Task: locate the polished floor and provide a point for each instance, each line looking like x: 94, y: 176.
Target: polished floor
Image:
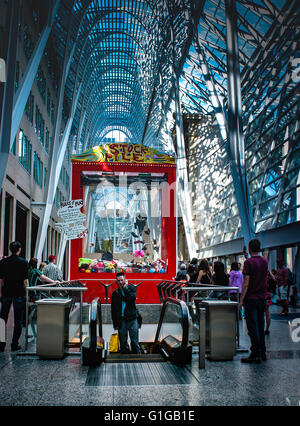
x: 28, y: 381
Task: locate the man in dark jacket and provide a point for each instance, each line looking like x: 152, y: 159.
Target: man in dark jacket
x: 13, y: 280
x: 124, y: 314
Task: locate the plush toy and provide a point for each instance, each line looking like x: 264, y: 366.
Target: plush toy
x: 84, y: 266
x: 83, y: 260
x: 93, y: 264
x: 138, y: 253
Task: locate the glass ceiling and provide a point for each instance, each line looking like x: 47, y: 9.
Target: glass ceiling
x: 125, y: 54
x: 124, y: 57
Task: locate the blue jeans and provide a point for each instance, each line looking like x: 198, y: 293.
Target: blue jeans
x: 255, y: 320
x: 18, y: 304
x: 132, y: 328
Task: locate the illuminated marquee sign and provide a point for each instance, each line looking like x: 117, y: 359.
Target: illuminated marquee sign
x: 124, y: 153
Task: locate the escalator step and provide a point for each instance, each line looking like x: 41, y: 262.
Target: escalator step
x: 115, y: 357
x: 139, y: 374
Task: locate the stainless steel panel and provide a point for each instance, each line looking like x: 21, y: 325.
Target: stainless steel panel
x: 52, y: 327
x: 221, y: 329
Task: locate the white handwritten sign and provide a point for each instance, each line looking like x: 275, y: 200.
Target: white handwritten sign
x: 73, y: 219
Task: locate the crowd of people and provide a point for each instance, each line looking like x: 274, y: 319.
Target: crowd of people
x: 15, y: 275
x: 257, y: 288
x: 281, y: 288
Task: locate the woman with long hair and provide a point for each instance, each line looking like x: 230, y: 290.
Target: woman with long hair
x: 204, y: 276
x: 193, y: 270
x: 220, y: 278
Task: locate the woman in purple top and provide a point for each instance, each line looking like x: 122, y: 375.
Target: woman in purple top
x: 235, y: 280
x: 236, y: 277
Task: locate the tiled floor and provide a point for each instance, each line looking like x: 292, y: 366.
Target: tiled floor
x: 29, y: 381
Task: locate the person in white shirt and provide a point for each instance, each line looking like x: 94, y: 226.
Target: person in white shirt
x: 52, y: 270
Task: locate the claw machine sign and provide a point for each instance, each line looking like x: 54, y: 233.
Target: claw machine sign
x: 73, y: 226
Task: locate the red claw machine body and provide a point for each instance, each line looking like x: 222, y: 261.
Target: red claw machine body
x: 129, y: 200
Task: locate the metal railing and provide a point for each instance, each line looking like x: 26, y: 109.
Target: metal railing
x: 211, y: 287
x: 183, y: 291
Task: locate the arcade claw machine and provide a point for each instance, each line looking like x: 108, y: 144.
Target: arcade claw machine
x: 129, y: 200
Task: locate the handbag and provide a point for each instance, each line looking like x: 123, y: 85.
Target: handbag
x: 114, y: 343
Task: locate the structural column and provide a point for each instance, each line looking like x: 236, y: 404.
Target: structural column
x: 236, y: 149
x: 57, y: 150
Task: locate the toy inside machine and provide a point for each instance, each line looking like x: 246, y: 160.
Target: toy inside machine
x: 129, y: 201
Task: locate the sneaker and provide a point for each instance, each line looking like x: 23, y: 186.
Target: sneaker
x: 2, y: 346
x: 147, y: 232
x: 267, y: 332
x: 264, y: 357
x: 251, y: 360
x: 134, y: 235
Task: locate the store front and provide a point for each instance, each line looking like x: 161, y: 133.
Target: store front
x: 129, y: 200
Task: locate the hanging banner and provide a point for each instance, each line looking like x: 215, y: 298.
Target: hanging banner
x: 124, y: 153
x: 73, y: 219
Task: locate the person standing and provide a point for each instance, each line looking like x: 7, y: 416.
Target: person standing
x: 182, y: 274
x: 253, y: 298
x: 269, y: 303
x: 36, y: 276
x: 52, y: 270
x: 282, y: 287
x: 124, y: 314
x: 219, y: 278
x: 236, y: 277
x: 13, y: 281
x: 236, y: 280
x: 204, y: 276
x: 42, y: 265
x: 192, y: 270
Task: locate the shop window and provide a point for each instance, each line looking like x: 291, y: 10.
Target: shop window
x: 25, y: 151
x: 38, y: 170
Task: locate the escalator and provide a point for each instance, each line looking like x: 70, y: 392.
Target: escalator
x: 171, y: 342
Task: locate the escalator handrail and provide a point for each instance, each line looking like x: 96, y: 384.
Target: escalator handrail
x: 95, y: 318
x: 184, y: 321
